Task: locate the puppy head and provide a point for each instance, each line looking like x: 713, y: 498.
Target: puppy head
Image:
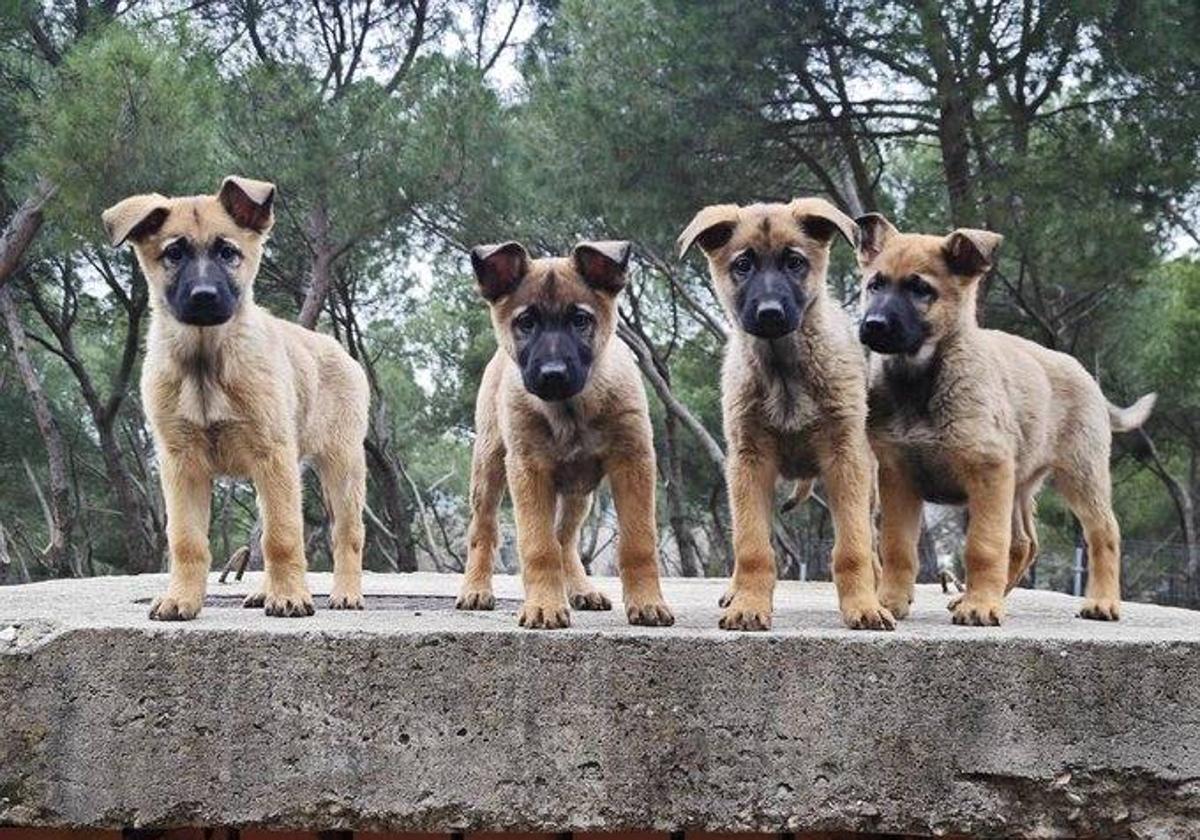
x: 553, y: 316
x: 768, y: 261
x: 200, y: 254
x: 917, y: 288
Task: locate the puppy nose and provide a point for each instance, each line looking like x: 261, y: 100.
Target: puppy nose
x: 203, y: 296
x: 770, y: 314
x: 553, y: 374
x: 874, y: 326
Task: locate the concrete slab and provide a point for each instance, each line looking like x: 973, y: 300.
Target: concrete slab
x: 411, y: 716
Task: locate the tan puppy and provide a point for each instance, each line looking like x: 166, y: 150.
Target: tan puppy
x: 964, y: 415
x: 231, y: 390
x: 561, y: 406
x: 793, y: 395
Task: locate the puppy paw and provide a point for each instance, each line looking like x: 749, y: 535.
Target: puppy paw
x: 866, y: 614
x: 254, y: 600
x: 978, y: 611
x: 652, y: 613
x: 726, y: 599
x: 1101, y: 609
x: 746, y: 612
x: 590, y: 599
x: 288, y: 602
x: 896, y: 599
x: 346, y: 599
x: 176, y: 607
x: 475, y: 598
x: 537, y: 614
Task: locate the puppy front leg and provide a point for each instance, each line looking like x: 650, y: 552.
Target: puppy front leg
x: 847, y: 467
x: 751, y: 475
x: 187, y: 491
x: 989, y: 535
x: 532, y: 489
x: 278, y: 487
x: 900, y: 528
x: 632, y: 479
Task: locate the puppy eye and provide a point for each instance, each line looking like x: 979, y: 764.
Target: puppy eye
x: 526, y: 321
x: 742, y: 263
x: 794, y: 261
x: 173, y: 253
x: 582, y: 319
x: 227, y: 253
x: 918, y: 287
x: 876, y: 283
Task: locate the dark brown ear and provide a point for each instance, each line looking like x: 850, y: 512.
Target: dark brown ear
x: 711, y: 227
x: 874, y: 230
x: 970, y: 252
x: 821, y: 220
x: 135, y: 218
x: 499, y: 268
x: 250, y: 203
x: 602, y: 264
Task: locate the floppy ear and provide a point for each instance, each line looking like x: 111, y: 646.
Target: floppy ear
x: 602, y: 264
x: 711, y: 227
x: 874, y: 230
x: 821, y: 220
x: 499, y: 268
x: 969, y: 252
x: 248, y: 202
x: 135, y: 218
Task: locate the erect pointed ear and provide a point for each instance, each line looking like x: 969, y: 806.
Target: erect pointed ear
x: 874, y: 230
x: 970, y: 252
x: 135, y: 218
x: 499, y: 268
x: 821, y: 220
x: 602, y: 264
x: 250, y: 203
x: 711, y: 227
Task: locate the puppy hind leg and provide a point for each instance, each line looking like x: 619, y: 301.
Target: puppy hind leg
x: 344, y: 486
x: 581, y: 592
x: 1089, y: 498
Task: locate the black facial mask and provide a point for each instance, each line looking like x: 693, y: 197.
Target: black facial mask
x: 202, y: 292
x: 554, y: 350
x: 892, y: 323
x: 769, y: 297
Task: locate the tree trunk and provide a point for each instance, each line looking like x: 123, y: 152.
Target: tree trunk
x: 320, y: 279
x: 60, y: 510
x: 689, y: 557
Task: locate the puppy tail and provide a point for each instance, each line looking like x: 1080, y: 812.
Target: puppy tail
x: 800, y: 494
x: 1128, y: 419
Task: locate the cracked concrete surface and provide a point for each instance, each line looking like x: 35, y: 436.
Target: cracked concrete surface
x: 411, y: 716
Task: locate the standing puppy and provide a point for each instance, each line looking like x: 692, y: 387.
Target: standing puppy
x: 561, y: 406
x: 975, y: 417
x: 793, y: 395
x: 231, y: 390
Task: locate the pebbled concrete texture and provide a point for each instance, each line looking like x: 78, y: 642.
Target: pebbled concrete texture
x: 410, y: 716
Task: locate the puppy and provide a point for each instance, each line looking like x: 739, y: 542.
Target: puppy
x: 561, y: 405
x: 793, y: 396
x: 231, y: 390
x: 968, y: 416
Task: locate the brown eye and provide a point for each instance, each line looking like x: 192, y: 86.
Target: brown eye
x: 877, y: 283
x: 581, y: 319
x: 794, y: 261
x: 173, y: 253
x: 227, y: 253
x: 919, y: 288
x: 526, y: 321
x: 742, y: 263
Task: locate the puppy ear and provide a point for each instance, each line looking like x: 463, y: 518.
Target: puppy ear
x: 874, y: 230
x: 135, y: 218
x: 969, y: 252
x: 602, y: 264
x: 499, y: 268
x: 821, y: 220
x: 711, y: 227
x: 250, y: 203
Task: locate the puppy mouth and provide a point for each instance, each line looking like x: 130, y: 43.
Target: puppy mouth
x: 204, y: 317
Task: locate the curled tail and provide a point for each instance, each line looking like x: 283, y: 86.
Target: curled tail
x: 1128, y: 419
